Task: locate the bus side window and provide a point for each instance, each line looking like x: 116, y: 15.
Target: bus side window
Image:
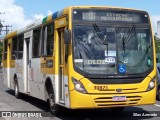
x: 14, y: 48
x: 20, y: 46
x: 48, y: 40
x: 5, y: 50
x: 36, y: 43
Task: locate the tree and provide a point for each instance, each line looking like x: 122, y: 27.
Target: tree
x: 157, y: 44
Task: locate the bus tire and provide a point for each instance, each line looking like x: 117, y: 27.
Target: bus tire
x: 54, y: 108
x: 158, y: 91
x: 16, y: 88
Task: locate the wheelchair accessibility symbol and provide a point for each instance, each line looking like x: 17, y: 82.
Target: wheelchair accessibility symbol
x: 122, y: 68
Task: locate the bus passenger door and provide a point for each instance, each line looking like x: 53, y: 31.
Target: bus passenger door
x: 61, y: 65
x: 28, y: 63
x: 27, y: 37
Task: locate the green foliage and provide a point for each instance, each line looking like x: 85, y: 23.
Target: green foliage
x: 157, y: 44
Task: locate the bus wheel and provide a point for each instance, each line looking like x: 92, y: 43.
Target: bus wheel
x: 54, y: 108
x: 16, y: 89
x: 158, y: 97
x: 118, y: 109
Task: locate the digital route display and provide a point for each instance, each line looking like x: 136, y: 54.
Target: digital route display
x: 110, y: 15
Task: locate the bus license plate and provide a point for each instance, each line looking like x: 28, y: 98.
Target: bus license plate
x: 119, y: 98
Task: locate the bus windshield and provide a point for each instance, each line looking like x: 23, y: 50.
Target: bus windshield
x: 127, y: 50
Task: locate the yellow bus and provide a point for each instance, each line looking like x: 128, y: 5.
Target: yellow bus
x: 84, y: 57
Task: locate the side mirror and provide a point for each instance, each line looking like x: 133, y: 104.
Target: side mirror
x: 67, y: 36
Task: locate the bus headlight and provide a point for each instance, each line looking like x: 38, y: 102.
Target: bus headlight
x: 79, y: 86
x: 151, y: 84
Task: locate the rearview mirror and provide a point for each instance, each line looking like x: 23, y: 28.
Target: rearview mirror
x: 67, y: 36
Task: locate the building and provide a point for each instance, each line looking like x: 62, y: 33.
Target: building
x: 158, y: 29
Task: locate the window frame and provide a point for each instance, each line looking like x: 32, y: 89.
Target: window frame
x: 20, y: 37
x: 13, y: 50
x: 45, y: 40
x: 39, y: 42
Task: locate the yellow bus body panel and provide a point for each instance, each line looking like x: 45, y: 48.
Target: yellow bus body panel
x: 136, y: 94
x: 44, y: 68
x: 11, y: 63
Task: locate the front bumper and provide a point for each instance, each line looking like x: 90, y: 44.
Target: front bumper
x: 83, y: 101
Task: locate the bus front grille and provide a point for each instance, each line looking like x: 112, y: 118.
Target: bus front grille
x: 109, y: 102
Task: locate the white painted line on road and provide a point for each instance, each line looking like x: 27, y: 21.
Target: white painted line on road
x: 157, y: 105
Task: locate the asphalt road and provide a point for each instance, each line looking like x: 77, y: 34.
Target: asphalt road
x: 26, y: 103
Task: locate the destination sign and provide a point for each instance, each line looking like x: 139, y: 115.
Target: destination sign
x: 110, y: 15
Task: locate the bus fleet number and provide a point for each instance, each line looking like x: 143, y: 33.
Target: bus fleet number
x: 101, y: 87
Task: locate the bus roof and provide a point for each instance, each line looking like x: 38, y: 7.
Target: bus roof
x: 11, y: 34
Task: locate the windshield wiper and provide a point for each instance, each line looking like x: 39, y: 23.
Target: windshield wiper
x: 104, y: 40
x: 125, y: 39
x: 96, y: 28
